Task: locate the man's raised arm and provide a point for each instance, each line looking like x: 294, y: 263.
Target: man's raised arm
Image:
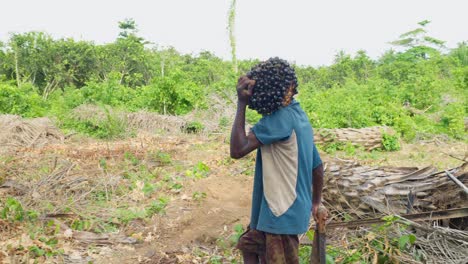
x: 241, y: 143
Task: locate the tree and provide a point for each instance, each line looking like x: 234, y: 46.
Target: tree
x: 461, y: 53
x: 2, y: 61
x: 418, y: 43
x: 232, y: 35
x: 126, y: 56
x: 128, y: 28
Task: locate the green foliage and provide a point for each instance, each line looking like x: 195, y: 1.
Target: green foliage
x: 131, y: 158
x: 453, y: 120
x: 125, y: 215
x: 198, y: 196
x: 421, y: 45
x: 157, y: 207
x: 252, y: 117
x: 200, y: 170
x: 81, y: 224
x: 407, y: 127
x: 381, y: 244
x: 109, y: 92
x: 223, y: 122
x: 460, y: 54
x: 111, y: 126
x: 162, y: 158
x: 12, y: 210
x: 406, y: 241
x: 390, y: 142
x: 23, y: 101
x: 193, y: 127
x: 42, y: 76
x: 238, y: 231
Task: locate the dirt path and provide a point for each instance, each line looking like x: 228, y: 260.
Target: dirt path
x: 190, y: 222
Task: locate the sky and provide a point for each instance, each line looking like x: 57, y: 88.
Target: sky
x: 305, y: 32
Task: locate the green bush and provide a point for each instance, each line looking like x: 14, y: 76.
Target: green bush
x: 23, y: 101
x: 252, y: 117
x: 12, y: 210
x: 170, y: 95
x: 390, y: 142
x: 110, y: 92
x: 453, y: 120
x: 112, y: 126
x: 193, y: 127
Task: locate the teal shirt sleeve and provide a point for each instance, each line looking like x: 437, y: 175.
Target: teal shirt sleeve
x: 316, y: 158
x: 275, y: 127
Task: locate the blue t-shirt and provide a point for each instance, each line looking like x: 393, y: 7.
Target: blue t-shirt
x: 282, y: 195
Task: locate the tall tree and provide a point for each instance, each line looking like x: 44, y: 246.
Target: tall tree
x: 232, y: 35
x: 418, y: 43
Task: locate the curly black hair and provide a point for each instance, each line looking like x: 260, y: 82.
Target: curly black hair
x: 275, y: 84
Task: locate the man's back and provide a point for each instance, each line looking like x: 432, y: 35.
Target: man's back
x: 281, y: 201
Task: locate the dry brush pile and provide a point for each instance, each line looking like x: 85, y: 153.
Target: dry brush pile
x: 354, y: 191
x: 365, y: 190
x: 369, y: 138
x: 18, y: 132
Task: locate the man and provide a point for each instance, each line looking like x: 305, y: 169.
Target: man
x: 287, y: 164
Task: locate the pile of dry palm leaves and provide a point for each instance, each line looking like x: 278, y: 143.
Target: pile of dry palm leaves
x: 365, y: 190
x: 400, y: 241
x: 440, y: 244
x: 150, y: 122
x: 353, y: 191
x: 18, y: 132
x: 370, y: 137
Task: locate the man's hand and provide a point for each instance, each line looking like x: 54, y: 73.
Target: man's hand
x: 319, y: 212
x: 244, y: 89
x: 315, y: 208
x: 317, y: 185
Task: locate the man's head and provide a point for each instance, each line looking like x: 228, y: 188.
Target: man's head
x: 275, y: 85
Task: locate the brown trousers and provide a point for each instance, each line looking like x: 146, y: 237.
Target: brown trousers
x: 271, y: 248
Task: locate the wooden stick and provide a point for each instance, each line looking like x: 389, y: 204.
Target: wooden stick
x: 456, y: 181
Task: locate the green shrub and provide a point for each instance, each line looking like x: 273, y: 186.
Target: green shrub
x: 23, y: 101
x: 173, y: 94
x: 406, y: 127
x: 12, y: 210
x: 110, y: 92
x: 157, y: 207
x: 453, y: 120
x: 200, y: 170
x: 112, y: 126
x: 223, y: 122
x: 193, y: 127
x: 127, y: 215
x: 390, y: 142
x: 252, y: 117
